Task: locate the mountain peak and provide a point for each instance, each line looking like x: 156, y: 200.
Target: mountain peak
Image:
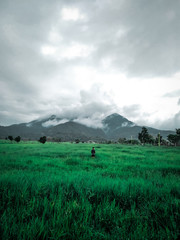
x: 115, y: 114
x: 115, y: 117
x: 116, y: 121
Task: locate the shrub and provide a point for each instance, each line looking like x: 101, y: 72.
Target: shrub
x: 10, y: 138
x: 42, y: 139
x: 17, y: 139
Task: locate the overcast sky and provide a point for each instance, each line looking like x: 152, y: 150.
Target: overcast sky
x: 86, y: 59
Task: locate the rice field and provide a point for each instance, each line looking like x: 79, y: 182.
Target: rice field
x: 57, y: 191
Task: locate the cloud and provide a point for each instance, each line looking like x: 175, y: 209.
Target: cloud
x: 90, y: 122
x: 93, y: 106
x: 71, y: 14
x: 169, y: 124
x: 53, y: 53
x: 132, y: 111
x: 141, y: 38
x: 54, y: 122
x: 172, y: 94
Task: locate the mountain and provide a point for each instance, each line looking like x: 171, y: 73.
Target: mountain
x: 114, y: 122
x: 70, y: 131
x: 114, y: 127
x: 53, y: 127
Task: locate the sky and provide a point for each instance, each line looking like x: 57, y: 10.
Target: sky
x: 86, y: 59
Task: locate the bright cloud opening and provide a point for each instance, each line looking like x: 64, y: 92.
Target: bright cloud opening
x: 77, y: 50
x: 72, y: 14
x: 48, y: 50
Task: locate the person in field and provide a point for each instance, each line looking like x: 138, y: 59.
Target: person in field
x: 93, y: 152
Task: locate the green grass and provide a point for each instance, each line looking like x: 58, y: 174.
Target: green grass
x: 57, y: 191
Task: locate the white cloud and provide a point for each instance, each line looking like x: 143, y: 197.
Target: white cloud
x: 76, y: 50
x: 90, y: 122
x: 71, y: 14
x: 170, y: 123
x: 62, y: 52
x: 54, y: 122
x: 48, y: 50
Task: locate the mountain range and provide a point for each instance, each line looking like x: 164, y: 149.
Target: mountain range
x: 112, y: 127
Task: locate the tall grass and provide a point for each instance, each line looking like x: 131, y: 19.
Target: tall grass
x: 57, y: 191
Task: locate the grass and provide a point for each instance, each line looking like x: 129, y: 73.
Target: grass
x: 57, y: 191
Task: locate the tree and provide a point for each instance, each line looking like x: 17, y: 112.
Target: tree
x: 17, y: 139
x: 144, y: 136
x: 178, y: 131
x: 172, y: 138
x: 77, y: 140
x: 10, y: 138
x: 42, y: 139
x: 151, y: 140
x: 178, y: 134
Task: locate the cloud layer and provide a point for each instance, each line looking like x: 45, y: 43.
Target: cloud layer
x: 87, y: 59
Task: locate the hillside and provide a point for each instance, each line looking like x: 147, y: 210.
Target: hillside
x: 114, y: 127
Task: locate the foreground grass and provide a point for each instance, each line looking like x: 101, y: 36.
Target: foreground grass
x: 57, y: 191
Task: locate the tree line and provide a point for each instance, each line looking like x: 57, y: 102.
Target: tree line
x: 17, y: 139
x: 144, y: 137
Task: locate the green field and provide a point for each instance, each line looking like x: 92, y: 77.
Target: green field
x: 57, y: 191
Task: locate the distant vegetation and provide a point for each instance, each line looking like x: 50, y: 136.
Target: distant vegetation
x: 174, y: 138
x: 42, y: 139
x: 18, y: 139
x: 10, y: 138
x: 57, y: 191
x: 143, y: 137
